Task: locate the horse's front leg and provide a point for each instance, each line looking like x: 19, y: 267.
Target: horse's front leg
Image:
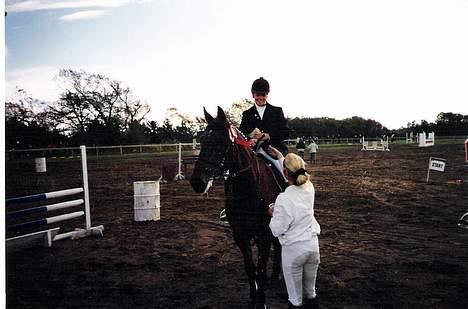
x: 243, y: 242
x: 263, y: 244
x: 276, y: 273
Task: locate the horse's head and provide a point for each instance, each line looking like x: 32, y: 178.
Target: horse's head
x: 215, y: 145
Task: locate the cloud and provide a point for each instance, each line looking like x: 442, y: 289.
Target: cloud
x: 83, y: 15
x: 38, y: 5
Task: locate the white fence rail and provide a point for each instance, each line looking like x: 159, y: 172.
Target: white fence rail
x: 162, y: 149
x: 97, y: 151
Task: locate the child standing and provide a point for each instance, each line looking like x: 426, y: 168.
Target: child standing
x: 293, y: 222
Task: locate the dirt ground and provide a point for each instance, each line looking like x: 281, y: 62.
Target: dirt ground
x: 389, y: 240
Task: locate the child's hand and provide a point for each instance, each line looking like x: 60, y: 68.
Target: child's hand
x: 275, y: 153
x: 271, y: 209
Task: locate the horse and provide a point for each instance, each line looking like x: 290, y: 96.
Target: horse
x: 250, y: 187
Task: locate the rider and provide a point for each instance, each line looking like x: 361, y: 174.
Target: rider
x: 265, y: 123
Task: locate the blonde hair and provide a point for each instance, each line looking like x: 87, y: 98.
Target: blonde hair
x: 296, y: 169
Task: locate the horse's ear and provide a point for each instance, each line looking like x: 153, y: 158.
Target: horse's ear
x: 209, y: 119
x: 221, y: 115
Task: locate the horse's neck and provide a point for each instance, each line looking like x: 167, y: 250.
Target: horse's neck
x: 257, y: 175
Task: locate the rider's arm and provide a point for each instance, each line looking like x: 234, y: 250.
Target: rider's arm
x: 280, y: 131
x: 247, y: 123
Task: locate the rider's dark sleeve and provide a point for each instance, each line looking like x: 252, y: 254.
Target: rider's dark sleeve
x: 279, y: 130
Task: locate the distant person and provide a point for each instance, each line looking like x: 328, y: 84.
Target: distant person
x: 312, y: 149
x: 263, y: 121
x: 294, y: 224
x: 300, y: 147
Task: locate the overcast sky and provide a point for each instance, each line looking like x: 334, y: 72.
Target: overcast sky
x: 392, y: 61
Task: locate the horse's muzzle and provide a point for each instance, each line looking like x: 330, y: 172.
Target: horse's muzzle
x: 198, y: 185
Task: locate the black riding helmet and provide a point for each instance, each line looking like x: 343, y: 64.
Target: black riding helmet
x: 260, y: 85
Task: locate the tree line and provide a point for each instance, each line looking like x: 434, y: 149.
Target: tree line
x: 446, y: 124
x: 94, y: 109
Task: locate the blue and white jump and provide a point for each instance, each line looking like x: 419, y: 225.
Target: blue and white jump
x: 50, y: 235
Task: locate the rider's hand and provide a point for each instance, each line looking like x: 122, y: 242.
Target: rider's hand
x: 265, y: 137
x: 256, y: 133
x: 259, y: 135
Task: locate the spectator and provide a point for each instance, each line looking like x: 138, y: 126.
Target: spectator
x: 312, y: 149
x: 300, y: 147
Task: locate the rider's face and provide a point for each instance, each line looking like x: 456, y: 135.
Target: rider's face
x: 260, y: 98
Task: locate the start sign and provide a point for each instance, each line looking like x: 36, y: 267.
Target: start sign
x: 435, y: 164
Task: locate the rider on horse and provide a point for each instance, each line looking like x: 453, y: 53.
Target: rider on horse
x: 265, y: 124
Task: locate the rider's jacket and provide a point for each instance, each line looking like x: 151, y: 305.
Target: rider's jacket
x: 273, y: 122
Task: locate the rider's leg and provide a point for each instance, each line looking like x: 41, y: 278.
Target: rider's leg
x: 278, y: 164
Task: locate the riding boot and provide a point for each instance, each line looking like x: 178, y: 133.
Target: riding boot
x: 311, y: 303
x: 291, y: 306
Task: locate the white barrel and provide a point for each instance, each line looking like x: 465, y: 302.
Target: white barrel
x: 146, y: 200
x: 41, y: 166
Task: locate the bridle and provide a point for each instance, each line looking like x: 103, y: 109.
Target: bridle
x: 216, y: 170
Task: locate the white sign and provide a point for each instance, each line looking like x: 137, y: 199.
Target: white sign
x: 437, y: 165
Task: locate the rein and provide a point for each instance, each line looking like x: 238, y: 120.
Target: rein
x: 236, y: 139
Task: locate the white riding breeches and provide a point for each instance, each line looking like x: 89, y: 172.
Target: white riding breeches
x: 300, y: 262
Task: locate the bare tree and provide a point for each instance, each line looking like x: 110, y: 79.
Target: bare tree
x: 95, y: 98
x: 234, y: 112
x: 27, y: 110
x: 29, y: 122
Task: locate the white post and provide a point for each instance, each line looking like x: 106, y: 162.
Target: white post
x: 179, y: 175
x: 466, y: 151
x: 195, y: 151
x: 428, y: 170
x: 180, y: 159
x: 84, y: 165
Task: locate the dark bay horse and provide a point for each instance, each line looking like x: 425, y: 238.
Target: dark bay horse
x: 249, y: 189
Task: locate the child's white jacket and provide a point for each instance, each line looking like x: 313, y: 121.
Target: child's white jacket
x: 293, y: 216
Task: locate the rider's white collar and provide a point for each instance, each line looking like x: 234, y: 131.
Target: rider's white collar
x: 260, y: 110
